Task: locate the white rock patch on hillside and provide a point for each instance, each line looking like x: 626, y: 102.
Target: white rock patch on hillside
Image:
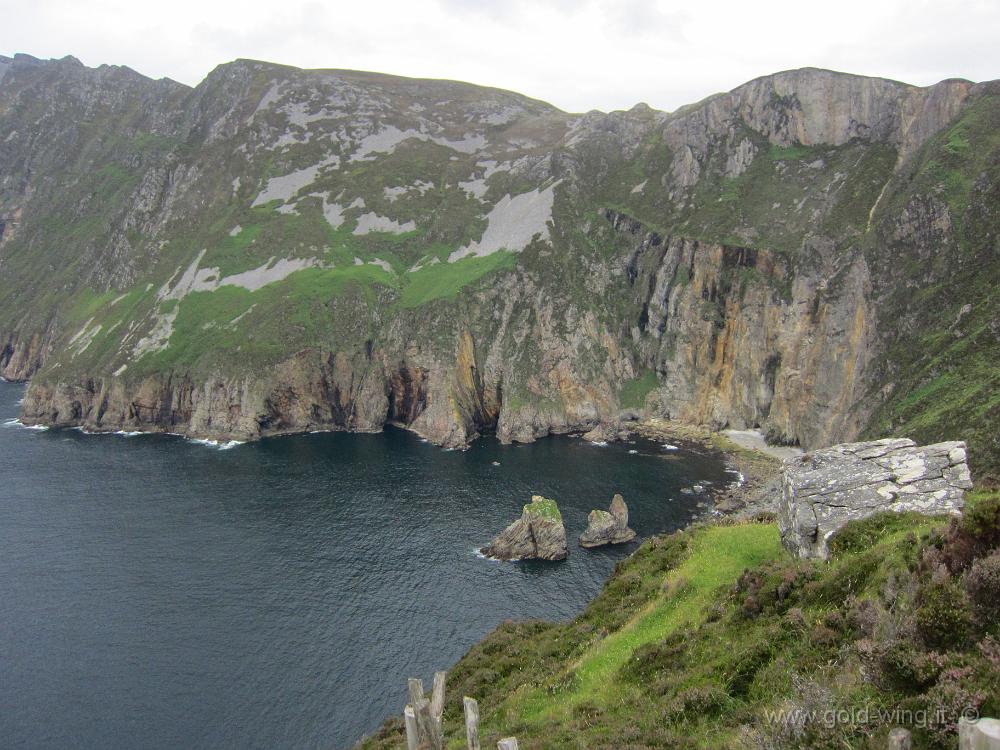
x: 333, y: 213
x: 392, y: 193
x: 476, y: 186
x: 286, y: 186
x: 270, y: 272
x: 195, y: 279
x: 386, y: 140
x: 372, y: 222
x: 513, y: 223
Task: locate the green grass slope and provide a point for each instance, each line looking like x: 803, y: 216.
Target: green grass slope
x: 714, y: 637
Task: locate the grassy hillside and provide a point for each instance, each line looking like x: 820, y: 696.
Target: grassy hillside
x: 714, y: 637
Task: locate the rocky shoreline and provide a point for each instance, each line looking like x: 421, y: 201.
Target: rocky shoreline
x: 758, y: 487
x: 756, y: 491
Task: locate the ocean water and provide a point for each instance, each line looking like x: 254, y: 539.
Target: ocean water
x: 159, y: 593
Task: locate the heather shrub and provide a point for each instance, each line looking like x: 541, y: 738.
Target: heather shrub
x: 982, y: 584
x: 943, y: 619
x: 907, y: 669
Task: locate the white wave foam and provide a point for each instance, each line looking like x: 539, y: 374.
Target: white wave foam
x: 479, y: 553
x: 669, y: 447
x: 217, y: 444
x: 19, y: 423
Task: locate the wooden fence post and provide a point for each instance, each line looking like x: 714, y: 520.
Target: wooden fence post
x: 415, y: 687
x: 471, y: 723
x: 508, y: 743
x: 430, y: 732
x: 900, y: 739
x: 965, y: 734
x: 983, y: 734
x: 437, y: 696
x: 412, y: 734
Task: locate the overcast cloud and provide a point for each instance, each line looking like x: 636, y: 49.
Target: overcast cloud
x: 579, y: 55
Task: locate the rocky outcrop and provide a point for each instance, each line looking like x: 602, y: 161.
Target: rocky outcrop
x: 608, y: 526
x: 606, y: 432
x: 538, y: 534
x: 21, y: 358
x: 823, y: 490
x: 813, y: 106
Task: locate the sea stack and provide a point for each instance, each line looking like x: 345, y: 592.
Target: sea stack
x: 608, y: 526
x: 538, y: 534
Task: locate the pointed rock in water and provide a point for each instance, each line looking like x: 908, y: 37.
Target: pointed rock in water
x: 538, y: 534
x: 608, y: 526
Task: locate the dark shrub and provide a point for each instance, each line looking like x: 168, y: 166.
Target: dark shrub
x: 651, y: 659
x: 744, y: 665
x: 862, y: 618
x: 981, y: 519
x: 945, y: 703
x: 795, y: 619
x: 835, y: 621
x: 908, y: 669
x: 943, y: 618
x: 982, y: 583
x: 974, y: 534
x: 751, y: 607
x: 588, y: 712
x: 693, y: 703
x: 847, y: 578
x: 823, y: 636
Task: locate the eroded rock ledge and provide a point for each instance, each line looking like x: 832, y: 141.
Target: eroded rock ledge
x: 823, y: 490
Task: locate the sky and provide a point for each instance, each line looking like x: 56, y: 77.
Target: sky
x: 576, y: 54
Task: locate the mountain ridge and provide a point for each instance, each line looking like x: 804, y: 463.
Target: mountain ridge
x: 277, y: 250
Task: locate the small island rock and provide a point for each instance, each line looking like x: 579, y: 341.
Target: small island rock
x: 608, y: 526
x: 538, y: 534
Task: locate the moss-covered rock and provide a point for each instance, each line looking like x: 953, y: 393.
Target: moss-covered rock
x: 538, y: 534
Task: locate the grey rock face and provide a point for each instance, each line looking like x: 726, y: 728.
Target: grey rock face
x: 823, y: 490
x: 608, y: 526
x: 538, y: 534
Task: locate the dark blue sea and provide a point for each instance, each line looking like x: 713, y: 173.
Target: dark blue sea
x: 159, y: 593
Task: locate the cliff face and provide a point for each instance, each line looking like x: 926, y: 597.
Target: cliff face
x: 280, y: 250
x: 745, y: 338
